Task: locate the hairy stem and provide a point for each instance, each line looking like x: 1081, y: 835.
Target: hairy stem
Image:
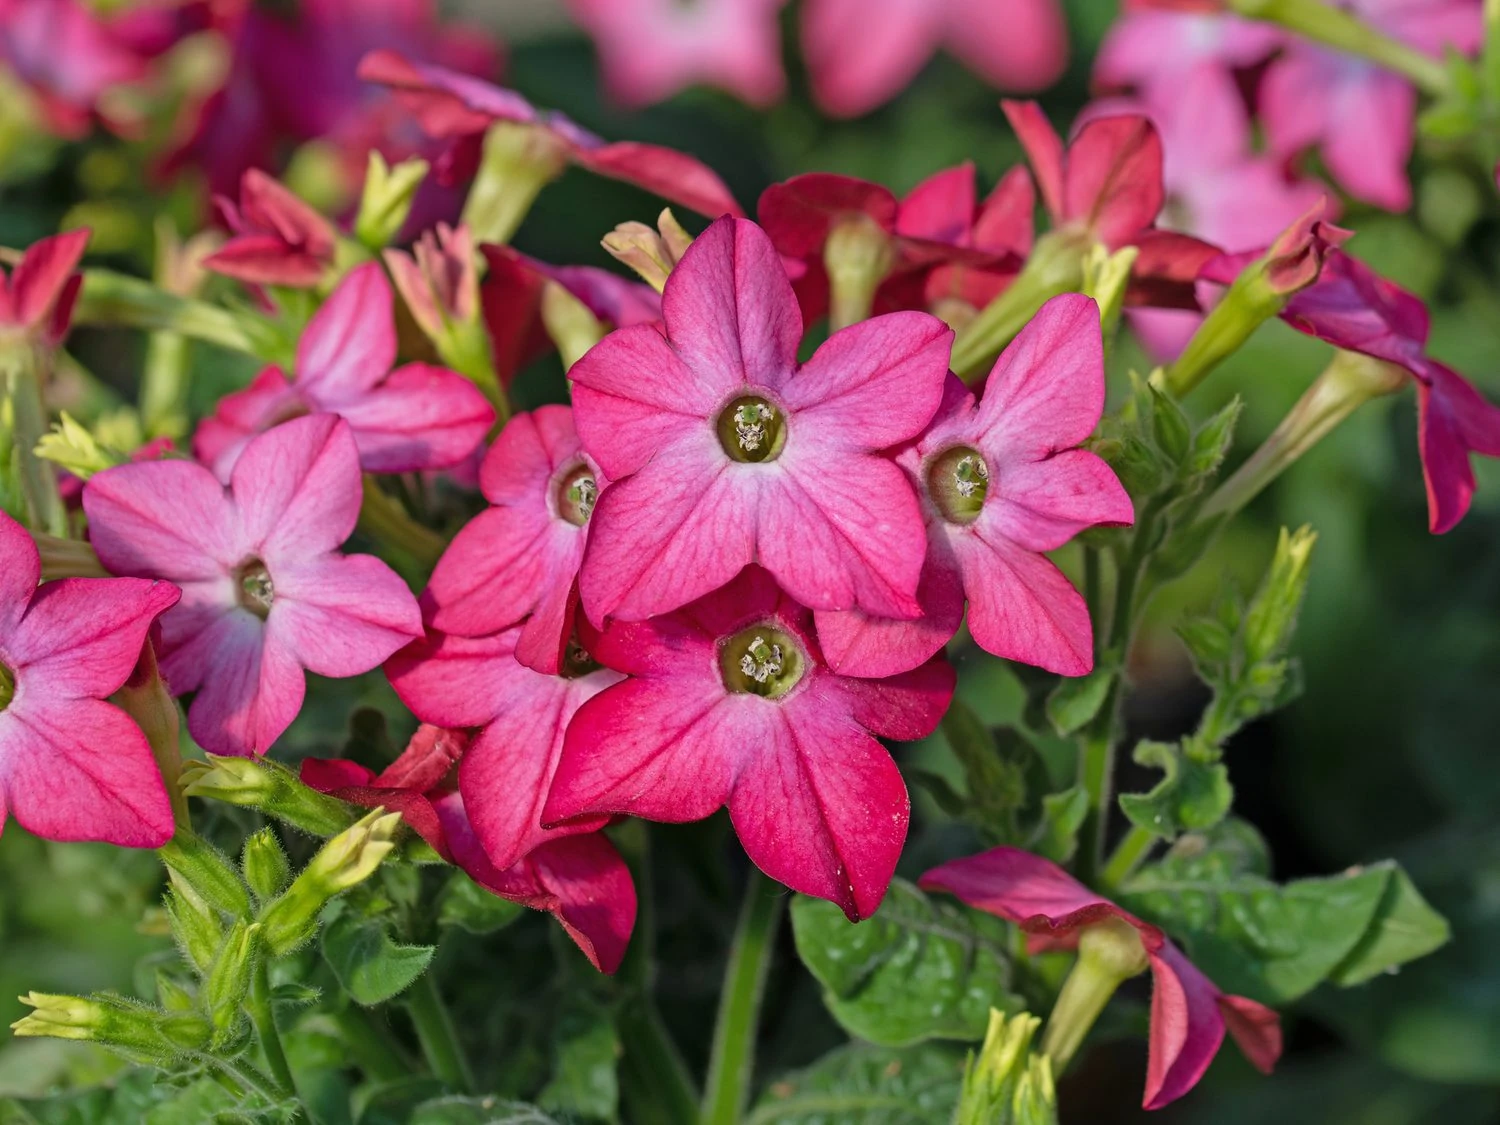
x: 436, y: 1033
x: 262, y: 1015
x: 1127, y: 856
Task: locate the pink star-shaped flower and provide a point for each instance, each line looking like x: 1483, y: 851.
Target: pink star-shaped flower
x: 725, y: 452
x: 580, y: 880
x: 72, y: 766
x: 265, y: 592
x: 37, y: 297
x: 414, y: 418
x: 1189, y: 1014
x: 1002, y: 481
x: 730, y: 703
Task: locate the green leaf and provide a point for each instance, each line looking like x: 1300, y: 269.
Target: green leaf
x: 1074, y: 702
x: 920, y: 968
x: 369, y: 964
x: 467, y: 905
x: 1404, y: 928
x: 138, y: 1097
x: 586, y: 1057
x: 866, y: 1085
x: 1063, y: 815
x: 1194, y: 795
x: 479, y: 1111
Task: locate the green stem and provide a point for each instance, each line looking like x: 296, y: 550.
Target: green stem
x: 263, y: 1016
x: 110, y: 298
x: 732, y: 1061
x: 23, y: 371
x: 518, y: 161
x: 164, y: 386
x: 655, y: 1085
x: 436, y: 1033
x: 383, y: 519
x: 1092, y: 592
x: 372, y: 1046
x: 1127, y: 856
x: 1110, y: 952
x: 250, y: 1078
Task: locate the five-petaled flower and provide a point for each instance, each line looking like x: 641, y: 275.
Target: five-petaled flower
x: 1188, y: 1012
x: 72, y: 766
x: 266, y: 594
x: 729, y: 702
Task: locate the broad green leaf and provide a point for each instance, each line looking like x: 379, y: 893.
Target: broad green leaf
x: 467, y: 905
x: 1404, y: 928
x: 1194, y: 795
x: 1063, y: 815
x: 369, y: 964
x: 479, y: 1111
x: 586, y: 1058
x: 921, y: 968
x: 139, y: 1097
x: 1074, y: 702
x: 866, y: 1085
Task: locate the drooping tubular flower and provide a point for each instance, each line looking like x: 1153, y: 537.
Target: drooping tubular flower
x: 580, y: 880
x: 863, y: 52
x: 266, y: 594
x: 72, y: 766
x: 413, y: 418
x: 275, y: 237
x: 651, y: 49
x: 724, y: 452
x: 1002, y: 481
x: 730, y: 703
x: 518, y: 561
x: 37, y: 298
x: 455, y: 107
x: 1189, y: 1014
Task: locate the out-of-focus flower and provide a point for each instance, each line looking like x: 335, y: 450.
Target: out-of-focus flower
x: 1189, y: 1014
x: 863, y: 52
x: 650, y: 49
x: 265, y: 592
x: 725, y: 452
x: 730, y: 703
x: 1359, y: 115
x: 72, y: 766
x: 414, y: 418
x: 1002, y: 482
x: 579, y: 879
x: 37, y: 297
x: 1153, y: 51
x: 276, y: 238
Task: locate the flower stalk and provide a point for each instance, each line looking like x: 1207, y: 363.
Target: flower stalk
x: 437, y: 1034
x: 1109, y: 954
x: 23, y: 374
x: 518, y: 161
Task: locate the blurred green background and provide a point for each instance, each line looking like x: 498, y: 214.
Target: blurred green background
x: 1391, y: 751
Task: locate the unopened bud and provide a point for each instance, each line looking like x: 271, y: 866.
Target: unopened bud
x: 172, y: 994
x: 228, y: 981
x: 141, y: 1032
x: 264, y: 865
x: 1106, y: 276
x: 1007, y: 1084
x: 195, y: 925
x: 518, y: 161
x: 651, y: 253
x: 570, y: 324
x: 74, y: 448
x: 258, y: 783
x: 387, y: 198
x: 1271, y: 618
x: 344, y: 861
x: 208, y: 871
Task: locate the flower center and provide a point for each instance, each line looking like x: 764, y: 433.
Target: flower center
x: 959, y: 481
x: 577, y: 493
x: 576, y: 661
x: 751, y: 429
x: 761, y: 660
x: 254, y: 589
x: 7, y: 686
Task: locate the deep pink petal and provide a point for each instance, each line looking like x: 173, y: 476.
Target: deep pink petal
x: 420, y: 418
x: 1007, y: 219
x: 162, y: 519
x: 906, y: 706
x: 456, y: 681
x: 1044, y: 151
x: 1187, y: 1028
x: 81, y: 770
x: 82, y: 636
x: 1014, y: 44
x: 342, y: 615
x: 297, y: 488
x: 675, y: 176
x: 1368, y: 147
x: 1255, y: 1029
x: 859, y: 644
x: 862, y: 52
x: 445, y: 103
x: 1453, y: 420
x: 348, y: 781
x: 252, y: 690
x: 39, y: 279
x: 1024, y: 888
x: 1043, y: 504
x: 1114, y: 178
x: 1021, y: 607
x: 20, y: 571
x: 239, y: 416
x: 798, y: 213
x: 350, y: 343
x: 265, y: 259
x: 941, y: 207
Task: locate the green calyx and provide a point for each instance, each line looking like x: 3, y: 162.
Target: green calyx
x: 959, y: 481
x: 752, y: 430
x: 762, y: 660
x: 7, y: 686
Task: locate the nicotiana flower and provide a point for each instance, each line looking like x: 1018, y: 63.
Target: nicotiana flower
x: 265, y: 592
x: 37, y: 297
x: 580, y: 880
x: 1002, y: 481
x: 275, y: 238
x: 650, y: 49
x: 452, y: 106
x: 518, y: 561
x: 1359, y: 115
x: 72, y: 766
x: 1154, y: 51
x: 438, y: 279
x: 1189, y: 1014
x: 862, y: 52
x: 416, y: 417
x: 730, y: 703
x: 724, y: 452
x: 521, y: 717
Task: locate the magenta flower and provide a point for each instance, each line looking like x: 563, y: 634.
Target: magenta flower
x: 1002, y: 481
x: 454, y: 107
x: 1358, y: 114
x: 861, y: 53
x: 276, y: 238
x: 69, y: 56
x: 1189, y: 1014
x: 521, y: 717
x: 580, y: 880
x: 265, y: 592
x: 72, y: 766
x: 37, y: 298
x: 651, y: 49
x: 730, y: 703
x: 519, y: 560
x: 725, y: 452
x: 1154, y: 50
x: 416, y: 417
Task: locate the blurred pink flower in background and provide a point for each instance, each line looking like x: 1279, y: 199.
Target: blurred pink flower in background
x: 1154, y: 51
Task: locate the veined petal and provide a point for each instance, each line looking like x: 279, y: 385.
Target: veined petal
x: 1187, y: 1028
x: 456, y: 681
x: 297, y: 488
x: 252, y: 691
x: 1114, y: 177
x: 1044, y: 151
x: 42, y: 275
x: 82, y: 636
x: 941, y: 207
x: 496, y: 568
x: 350, y: 343
x: 906, y: 706
x: 162, y: 519
x: 1453, y: 420
x: 1021, y: 607
x: 20, y: 571
x: 270, y: 398
x: 341, y: 615
x: 675, y: 176
x: 860, y: 53
x: 421, y: 417
x: 1041, y: 505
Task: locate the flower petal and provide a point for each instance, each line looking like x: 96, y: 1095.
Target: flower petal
x: 20, y: 571
x: 350, y: 342
x: 1453, y: 420
x: 420, y: 418
x: 270, y: 398
x: 298, y: 488
x: 1016, y: 45
x: 941, y: 207
x: 455, y: 681
x: 1187, y: 1027
x: 1044, y: 151
x: 675, y: 176
x: 861, y: 53
x: 856, y: 643
x: 342, y: 615
x: 798, y: 213
x: 251, y: 689
x: 1043, y: 504
x: 162, y: 519
x: 40, y: 278
x: 1021, y: 607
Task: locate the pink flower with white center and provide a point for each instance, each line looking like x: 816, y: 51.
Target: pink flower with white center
x: 580, y: 880
x: 518, y: 561
x: 265, y: 592
x: 724, y: 452
x: 72, y: 766
x: 37, y: 298
x: 1002, y: 481
x: 1189, y: 1014
x: 1154, y: 51
x: 276, y: 238
x: 521, y: 717
x: 651, y: 49
x: 730, y: 704
x: 1358, y: 114
x: 861, y: 53
x: 414, y: 418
